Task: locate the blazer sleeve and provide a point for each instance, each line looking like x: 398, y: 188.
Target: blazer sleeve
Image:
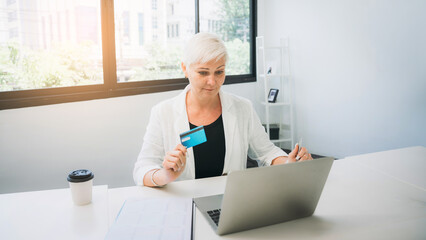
x: 260, y: 147
x: 152, y: 152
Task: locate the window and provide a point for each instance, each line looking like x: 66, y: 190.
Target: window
x: 140, y: 28
x: 173, y: 30
x: 34, y: 57
x: 67, y: 25
x: 64, y: 51
x: 154, y: 4
x: 11, y: 16
x: 51, y: 27
x: 154, y: 22
x: 13, y: 33
x: 235, y: 19
x: 43, y: 35
x: 125, y: 27
x: 59, y: 26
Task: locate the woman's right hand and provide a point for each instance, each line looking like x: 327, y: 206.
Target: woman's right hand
x: 174, y: 162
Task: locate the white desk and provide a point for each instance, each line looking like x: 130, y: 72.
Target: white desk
x: 406, y: 164
x: 362, y: 199
x: 51, y: 214
x: 358, y: 202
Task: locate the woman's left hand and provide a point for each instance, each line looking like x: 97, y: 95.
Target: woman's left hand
x: 297, y: 155
x: 294, y: 156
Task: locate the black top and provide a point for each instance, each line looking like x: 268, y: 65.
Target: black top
x: 209, y: 157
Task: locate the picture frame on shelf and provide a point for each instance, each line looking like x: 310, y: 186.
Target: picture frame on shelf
x: 273, y: 93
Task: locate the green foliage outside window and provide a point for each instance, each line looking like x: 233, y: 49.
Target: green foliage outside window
x: 63, y: 65
x: 161, y: 63
x: 235, y: 26
x: 239, y: 62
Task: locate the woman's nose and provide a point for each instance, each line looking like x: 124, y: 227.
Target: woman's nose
x: 211, y: 80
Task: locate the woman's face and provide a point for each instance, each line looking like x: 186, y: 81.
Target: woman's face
x: 206, y: 78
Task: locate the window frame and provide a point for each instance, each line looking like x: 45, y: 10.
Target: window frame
x: 111, y: 87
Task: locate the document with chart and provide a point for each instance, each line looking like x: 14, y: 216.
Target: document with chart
x: 153, y: 218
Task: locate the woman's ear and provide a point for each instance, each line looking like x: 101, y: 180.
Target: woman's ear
x: 183, y: 66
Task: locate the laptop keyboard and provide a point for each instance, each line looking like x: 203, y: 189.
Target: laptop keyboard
x: 214, y: 215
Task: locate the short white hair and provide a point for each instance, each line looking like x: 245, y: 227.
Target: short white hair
x: 204, y: 47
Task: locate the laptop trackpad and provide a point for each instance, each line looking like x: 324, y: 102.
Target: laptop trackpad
x: 205, y: 204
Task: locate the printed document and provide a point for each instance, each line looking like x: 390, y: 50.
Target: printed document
x: 153, y: 218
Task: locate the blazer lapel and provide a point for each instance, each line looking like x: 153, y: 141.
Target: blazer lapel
x: 181, y: 125
x: 229, y: 127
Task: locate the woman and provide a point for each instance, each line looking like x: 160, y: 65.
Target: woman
x: 232, y: 127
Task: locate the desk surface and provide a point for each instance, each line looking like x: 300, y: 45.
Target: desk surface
x: 357, y: 203
x: 365, y: 197
x: 405, y: 164
x: 51, y: 214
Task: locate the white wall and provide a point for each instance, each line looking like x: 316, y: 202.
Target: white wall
x: 359, y: 68
x: 40, y: 145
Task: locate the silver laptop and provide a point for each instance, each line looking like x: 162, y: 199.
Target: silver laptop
x: 263, y: 196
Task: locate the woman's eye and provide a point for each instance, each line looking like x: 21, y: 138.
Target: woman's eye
x: 219, y: 72
x: 203, y: 73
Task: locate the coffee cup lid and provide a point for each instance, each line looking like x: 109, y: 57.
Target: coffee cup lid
x: 81, y: 175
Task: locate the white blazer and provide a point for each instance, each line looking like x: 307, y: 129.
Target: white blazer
x: 244, y: 136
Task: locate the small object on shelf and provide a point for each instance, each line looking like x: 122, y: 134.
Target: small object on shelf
x: 273, y: 93
x: 271, y: 67
x: 274, y: 131
x: 273, y: 71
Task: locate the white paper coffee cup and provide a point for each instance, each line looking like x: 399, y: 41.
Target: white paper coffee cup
x: 81, y: 182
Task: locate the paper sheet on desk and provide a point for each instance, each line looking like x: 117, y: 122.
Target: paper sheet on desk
x: 153, y: 218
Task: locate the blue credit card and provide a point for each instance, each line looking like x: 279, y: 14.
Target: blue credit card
x: 193, y: 137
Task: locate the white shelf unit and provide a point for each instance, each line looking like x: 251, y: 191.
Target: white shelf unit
x: 281, y: 76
